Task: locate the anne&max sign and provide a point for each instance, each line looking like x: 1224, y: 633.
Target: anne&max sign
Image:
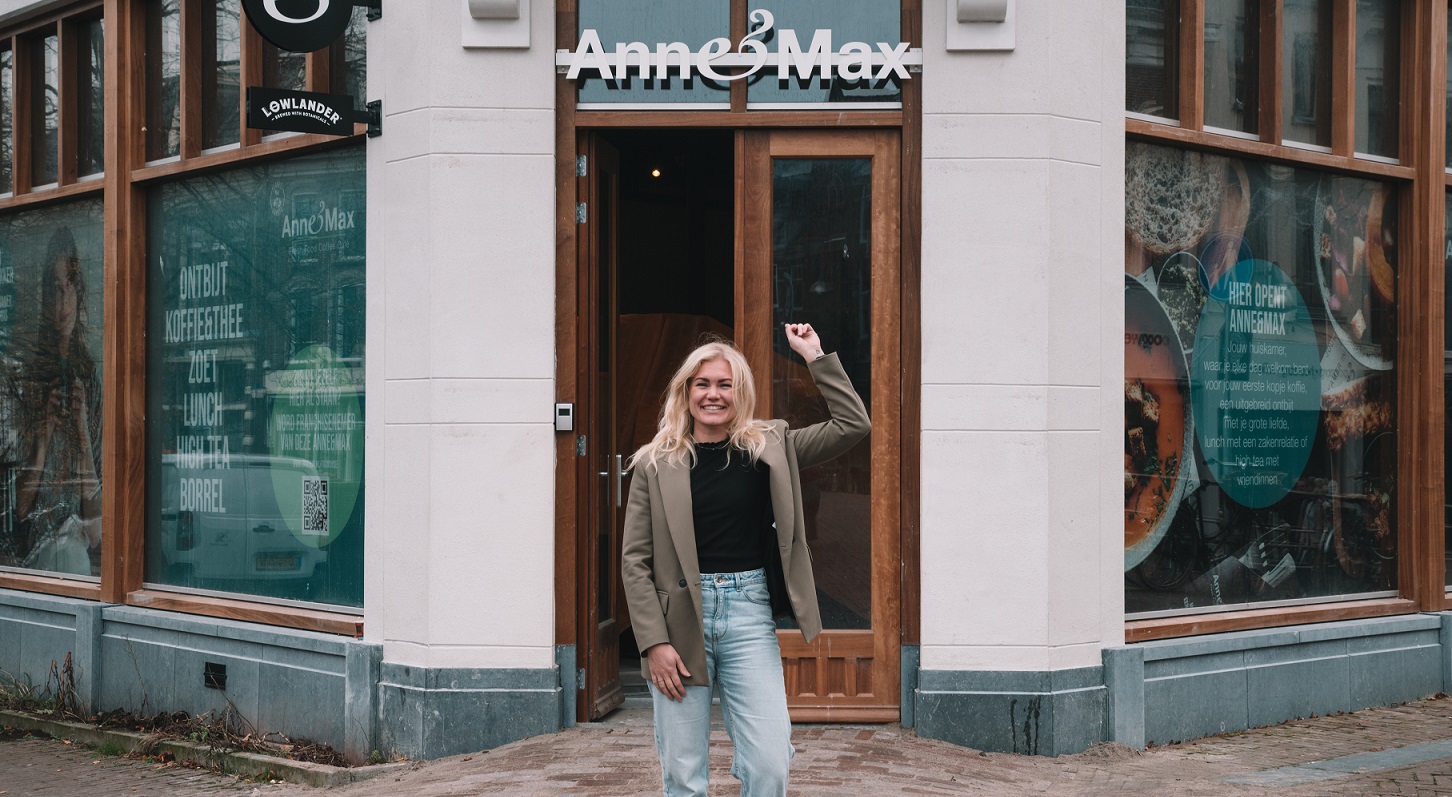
x: 852, y: 61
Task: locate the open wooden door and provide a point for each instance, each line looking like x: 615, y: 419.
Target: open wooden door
x: 820, y: 244
x: 602, y: 610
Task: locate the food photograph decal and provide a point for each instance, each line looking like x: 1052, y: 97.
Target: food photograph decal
x: 1259, y: 384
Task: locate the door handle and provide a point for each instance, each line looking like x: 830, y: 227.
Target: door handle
x: 620, y: 474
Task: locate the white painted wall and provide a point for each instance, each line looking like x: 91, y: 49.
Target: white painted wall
x: 461, y: 306
x: 1022, y: 560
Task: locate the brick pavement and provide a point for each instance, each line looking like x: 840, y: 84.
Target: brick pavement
x: 56, y: 769
x: 616, y: 757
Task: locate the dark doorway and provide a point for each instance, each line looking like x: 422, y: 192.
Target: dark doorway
x: 661, y: 245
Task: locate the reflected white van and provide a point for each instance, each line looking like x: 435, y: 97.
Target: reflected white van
x: 225, y: 524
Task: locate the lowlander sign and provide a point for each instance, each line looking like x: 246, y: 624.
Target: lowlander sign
x: 301, y: 111
x: 853, y: 61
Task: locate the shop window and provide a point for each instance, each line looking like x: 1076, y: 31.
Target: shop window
x: 867, y: 21
x: 1306, y: 72
x: 255, y: 383
x: 349, y: 59
x: 1447, y: 396
x: 282, y: 69
x: 90, y: 96
x: 1232, y: 65
x: 649, y: 22
x: 1260, y: 387
x: 1447, y: 139
x: 1151, y: 70
x: 1150, y: 58
x: 51, y: 286
x: 221, y: 72
x: 44, y: 53
x: 163, y: 79
x: 1377, y: 85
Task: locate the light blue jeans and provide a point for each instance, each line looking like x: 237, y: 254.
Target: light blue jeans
x: 743, y: 662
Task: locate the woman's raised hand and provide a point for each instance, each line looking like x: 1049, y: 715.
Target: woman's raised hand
x: 804, y: 341
x: 666, y: 670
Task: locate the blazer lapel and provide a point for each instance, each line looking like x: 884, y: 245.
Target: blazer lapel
x: 675, y: 490
x: 782, y: 507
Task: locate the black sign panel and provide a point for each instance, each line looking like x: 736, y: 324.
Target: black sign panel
x: 299, y: 26
x: 300, y: 111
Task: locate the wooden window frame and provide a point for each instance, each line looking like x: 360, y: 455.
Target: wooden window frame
x: 1434, y: 118
x: 1422, y: 180
x: 123, y: 185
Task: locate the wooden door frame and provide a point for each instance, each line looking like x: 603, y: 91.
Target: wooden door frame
x: 572, y: 293
x: 754, y: 312
x: 588, y: 422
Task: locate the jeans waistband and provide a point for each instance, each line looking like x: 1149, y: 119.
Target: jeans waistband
x: 757, y: 576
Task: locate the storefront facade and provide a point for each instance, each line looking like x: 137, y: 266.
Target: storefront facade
x: 335, y: 429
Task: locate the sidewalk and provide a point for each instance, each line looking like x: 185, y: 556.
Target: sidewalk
x: 1404, y: 750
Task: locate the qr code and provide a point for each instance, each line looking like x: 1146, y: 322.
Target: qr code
x: 314, y: 505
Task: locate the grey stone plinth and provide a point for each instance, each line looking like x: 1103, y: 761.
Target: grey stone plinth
x: 431, y: 713
x: 1037, y: 713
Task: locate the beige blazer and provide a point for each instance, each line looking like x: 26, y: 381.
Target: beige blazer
x: 658, y: 563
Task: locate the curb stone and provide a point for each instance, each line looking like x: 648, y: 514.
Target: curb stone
x: 231, y: 762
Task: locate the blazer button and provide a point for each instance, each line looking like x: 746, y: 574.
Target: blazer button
x: 682, y: 585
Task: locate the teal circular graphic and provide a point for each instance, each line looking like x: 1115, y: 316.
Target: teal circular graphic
x: 317, y: 444
x: 1255, y: 384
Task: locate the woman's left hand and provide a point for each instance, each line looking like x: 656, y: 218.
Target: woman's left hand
x: 804, y: 341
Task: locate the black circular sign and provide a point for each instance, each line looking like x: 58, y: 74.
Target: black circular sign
x: 299, y: 26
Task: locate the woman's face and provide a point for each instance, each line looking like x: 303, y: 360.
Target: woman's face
x: 67, y: 304
x: 711, y: 401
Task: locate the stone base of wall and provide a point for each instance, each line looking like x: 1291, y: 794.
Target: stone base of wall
x: 305, y: 685
x: 1037, y: 713
x: 431, y: 713
x: 1178, y: 689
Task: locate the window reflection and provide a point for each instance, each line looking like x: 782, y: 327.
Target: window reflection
x: 221, y: 72
x: 868, y: 21
x: 163, y: 79
x: 1260, y: 387
x: 649, y: 22
x: 1377, y: 76
x: 822, y: 271
x: 282, y: 69
x: 1447, y: 397
x: 7, y: 151
x: 1306, y: 72
x: 91, y: 98
x: 1151, y: 64
x: 45, y: 109
x: 1232, y: 64
x: 255, y: 380
x: 350, y: 65
x: 50, y: 389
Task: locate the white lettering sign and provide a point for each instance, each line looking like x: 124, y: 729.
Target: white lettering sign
x: 272, y: 11
x: 853, y: 61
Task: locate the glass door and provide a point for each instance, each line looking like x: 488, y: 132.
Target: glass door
x: 821, y: 245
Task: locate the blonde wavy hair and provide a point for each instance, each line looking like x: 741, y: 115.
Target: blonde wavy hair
x: 673, y: 441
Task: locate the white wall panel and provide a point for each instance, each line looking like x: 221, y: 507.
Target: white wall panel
x: 492, y: 272
x: 464, y: 209
x: 492, y: 537
x: 402, y: 532
x: 1022, y: 311
x: 983, y: 564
